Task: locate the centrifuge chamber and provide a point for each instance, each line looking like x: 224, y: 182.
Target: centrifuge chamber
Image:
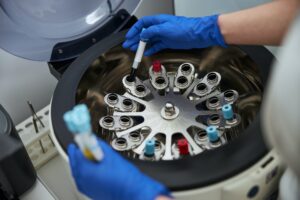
x: 240, y: 169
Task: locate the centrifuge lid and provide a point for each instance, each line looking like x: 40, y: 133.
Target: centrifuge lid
x: 5, y: 126
x: 51, y: 30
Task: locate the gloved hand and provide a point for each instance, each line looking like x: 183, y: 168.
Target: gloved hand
x: 172, y: 32
x: 114, y: 178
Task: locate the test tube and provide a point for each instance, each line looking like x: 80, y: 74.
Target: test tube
x: 78, y: 121
x: 231, y: 121
x: 213, y: 136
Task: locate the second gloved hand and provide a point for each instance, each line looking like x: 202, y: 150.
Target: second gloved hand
x: 113, y: 178
x: 173, y: 32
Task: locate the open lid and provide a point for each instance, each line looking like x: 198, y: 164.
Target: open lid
x: 52, y: 30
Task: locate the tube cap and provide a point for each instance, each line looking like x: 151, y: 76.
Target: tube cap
x: 156, y: 66
x: 81, y: 118
x: 68, y: 118
x: 150, y: 147
x: 227, y: 111
x: 78, y: 120
x: 183, y: 146
x: 212, y: 133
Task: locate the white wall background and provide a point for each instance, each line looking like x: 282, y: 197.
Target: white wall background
x: 197, y: 8
x: 151, y: 7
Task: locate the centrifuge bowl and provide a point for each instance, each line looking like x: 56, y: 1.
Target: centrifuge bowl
x: 100, y: 69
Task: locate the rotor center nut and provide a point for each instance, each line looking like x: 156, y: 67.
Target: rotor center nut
x: 169, y: 111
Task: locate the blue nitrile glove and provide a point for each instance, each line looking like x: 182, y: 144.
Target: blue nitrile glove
x: 113, y: 178
x: 173, y: 32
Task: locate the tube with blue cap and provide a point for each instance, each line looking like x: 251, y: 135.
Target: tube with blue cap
x: 232, y: 120
x: 149, y: 151
x: 212, y: 134
x: 78, y: 121
x: 137, y: 59
x: 150, y: 148
x: 227, y: 112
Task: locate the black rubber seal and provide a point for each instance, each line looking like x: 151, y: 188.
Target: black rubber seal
x: 202, y: 170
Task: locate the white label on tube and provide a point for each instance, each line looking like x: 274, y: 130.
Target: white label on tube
x: 79, y: 142
x: 95, y: 148
x: 135, y: 65
x: 90, y: 142
x: 140, y: 51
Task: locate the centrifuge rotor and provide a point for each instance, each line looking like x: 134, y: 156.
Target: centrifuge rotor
x: 166, y: 107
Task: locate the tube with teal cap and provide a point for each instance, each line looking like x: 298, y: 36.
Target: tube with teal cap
x: 78, y: 121
x: 227, y: 112
x: 68, y: 118
x: 212, y: 134
x: 150, y: 148
x: 137, y: 59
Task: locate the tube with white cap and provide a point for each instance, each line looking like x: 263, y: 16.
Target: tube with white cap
x: 137, y: 59
x: 78, y: 121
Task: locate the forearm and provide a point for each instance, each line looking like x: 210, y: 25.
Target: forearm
x: 265, y: 24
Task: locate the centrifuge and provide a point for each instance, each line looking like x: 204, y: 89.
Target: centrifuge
x: 176, y: 96
x: 198, y: 108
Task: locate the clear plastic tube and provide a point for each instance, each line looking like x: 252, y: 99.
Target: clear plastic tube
x: 139, y: 54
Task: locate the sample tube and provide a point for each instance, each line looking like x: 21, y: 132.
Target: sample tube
x: 183, y: 147
x: 156, y: 67
x: 79, y: 122
x: 213, y: 136
x: 137, y: 59
x: 158, y: 77
x: 231, y: 121
x: 149, y: 151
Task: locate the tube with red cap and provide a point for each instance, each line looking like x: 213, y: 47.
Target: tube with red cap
x: 183, y: 147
